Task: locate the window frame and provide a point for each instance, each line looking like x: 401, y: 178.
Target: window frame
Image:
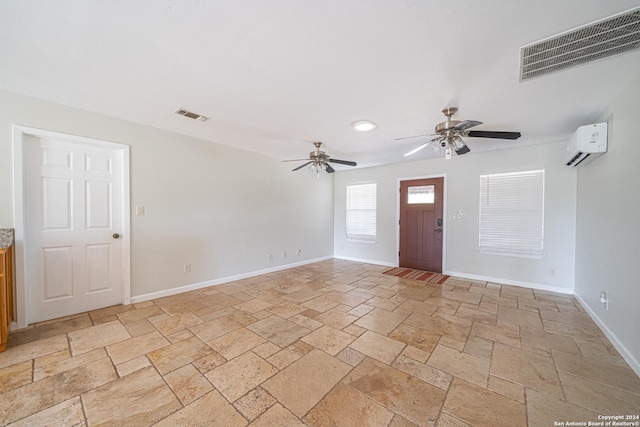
x: 370, y: 228
x: 525, y: 215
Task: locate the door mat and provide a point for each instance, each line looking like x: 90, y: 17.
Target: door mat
x: 424, y: 276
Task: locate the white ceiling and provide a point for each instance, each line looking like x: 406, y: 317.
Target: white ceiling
x: 276, y: 75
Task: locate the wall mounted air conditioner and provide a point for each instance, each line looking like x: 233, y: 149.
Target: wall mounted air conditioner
x: 587, y: 143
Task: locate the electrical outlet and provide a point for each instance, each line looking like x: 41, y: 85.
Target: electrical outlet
x: 139, y: 210
x: 270, y: 257
x: 552, y: 271
x: 284, y: 254
x: 298, y: 252
x: 187, y: 268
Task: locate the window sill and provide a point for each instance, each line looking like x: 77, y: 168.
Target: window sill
x: 512, y: 254
x: 362, y: 241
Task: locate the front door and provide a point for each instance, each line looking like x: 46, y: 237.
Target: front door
x: 73, y: 211
x: 421, y: 224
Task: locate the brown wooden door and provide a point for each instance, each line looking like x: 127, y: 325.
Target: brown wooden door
x: 421, y: 224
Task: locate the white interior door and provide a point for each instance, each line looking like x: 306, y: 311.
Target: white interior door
x: 73, y: 218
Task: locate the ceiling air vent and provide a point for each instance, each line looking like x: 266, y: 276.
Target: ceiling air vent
x: 610, y: 36
x: 189, y: 114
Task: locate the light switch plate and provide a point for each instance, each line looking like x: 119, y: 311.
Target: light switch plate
x: 139, y: 210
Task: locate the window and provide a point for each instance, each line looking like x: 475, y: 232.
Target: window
x: 512, y: 213
x: 423, y: 194
x: 361, y: 212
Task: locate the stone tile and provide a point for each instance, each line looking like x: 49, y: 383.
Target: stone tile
x: 178, y: 323
x: 85, y: 340
x: 504, y: 334
x: 479, y: 347
x: 544, y: 340
x: 174, y: 356
x: 380, y: 321
x: 423, y: 371
x: 35, y: 397
x: 569, y: 330
x: 236, y: 377
x: 132, y: 366
x: 141, y: 398
x: 235, y: 343
x: 286, y: 309
x: 506, y: 388
x: 346, y: 406
x: 33, y: 350
x: 188, y: 384
x: 360, y: 310
x: 402, y: 393
x: 290, y: 354
x: 508, y: 291
x: 601, y: 372
x: 48, y: 330
x: 305, y: 322
x: 137, y: 346
x: 68, y: 364
x: 14, y: 376
x: 477, y: 315
x: 302, y: 384
x: 415, y: 337
x: 545, y: 410
x: 254, y: 403
x: 438, y: 326
x: 598, y: 397
x: 378, y: 346
x: 266, y: 350
x: 448, y: 420
x: 526, y: 368
x: 468, y: 367
x: 597, y: 350
x: 208, y: 362
x: 41, y: 361
x: 302, y: 295
x: 279, y: 331
x: 580, y: 320
x: 186, y: 306
x: 345, y: 299
x: 215, y: 328
x: 481, y: 407
x: 139, y: 327
x: 516, y: 317
x: 509, y: 301
x: 329, y: 340
x: 145, y: 312
x: 180, y: 336
x: 219, y: 301
x: 354, y: 330
x: 277, y: 415
x: 451, y: 343
x: 203, y: 411
x: 416, y: 354
x: 320, y: 304
x: 336, y: 319
x: 351, y: 356
x: 67, y: 413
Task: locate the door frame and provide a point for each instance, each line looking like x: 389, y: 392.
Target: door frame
x: 20, y: 134
x: 444, y: 215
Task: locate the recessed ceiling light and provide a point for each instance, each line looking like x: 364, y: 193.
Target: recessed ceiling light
x: 363, y: 125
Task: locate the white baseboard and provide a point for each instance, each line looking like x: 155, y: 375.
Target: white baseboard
x: 502, y: 281
x: 622, y: 349
x: 366, y: 261
x: 194, y: 286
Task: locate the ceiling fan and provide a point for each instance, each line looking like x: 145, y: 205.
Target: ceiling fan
x: 449, y: 135
x: 319, y: 161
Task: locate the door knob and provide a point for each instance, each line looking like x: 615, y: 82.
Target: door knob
x: 116, y: 236
x: 438, y: 230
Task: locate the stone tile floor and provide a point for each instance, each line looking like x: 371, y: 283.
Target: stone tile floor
x: 331, y: 343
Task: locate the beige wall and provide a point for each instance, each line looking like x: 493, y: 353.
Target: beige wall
x: 221, y: 209
x: 608, y: 230
x: 462, y: 193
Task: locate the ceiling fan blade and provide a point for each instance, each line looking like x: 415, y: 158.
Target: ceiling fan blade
x: 328, y: 168
x: 415, y: 150
x: 493, y: 134
x: 414, y: 136
x: 296, y: 160
x: 343, y: 162
x: 301, y: 166
x: 462, y: 150
x: 466, y: 125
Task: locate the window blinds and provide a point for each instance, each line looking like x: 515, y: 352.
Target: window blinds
x: 512, y: 213
x: 361, y: 212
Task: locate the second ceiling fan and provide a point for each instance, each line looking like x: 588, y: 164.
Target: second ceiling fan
x: 319, y: 161
x: 449, y: 135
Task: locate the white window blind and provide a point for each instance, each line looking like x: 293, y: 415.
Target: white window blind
x: 361, y: 212
x: 512, y: 213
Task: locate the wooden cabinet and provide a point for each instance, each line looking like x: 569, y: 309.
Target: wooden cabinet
x: 6, y: 293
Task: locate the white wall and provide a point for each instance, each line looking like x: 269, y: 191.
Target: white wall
x: 221, y: 209
x: 462, y: 193
x: 608, y: 229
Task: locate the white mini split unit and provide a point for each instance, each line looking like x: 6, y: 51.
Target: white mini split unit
x: 587, y: 143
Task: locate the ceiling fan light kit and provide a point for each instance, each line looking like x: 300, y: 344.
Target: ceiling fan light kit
x: 318, y: 161
x: 449, y: 134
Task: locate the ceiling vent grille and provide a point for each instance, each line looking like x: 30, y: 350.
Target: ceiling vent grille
x: 610, y: 36
x: 189, y: 114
